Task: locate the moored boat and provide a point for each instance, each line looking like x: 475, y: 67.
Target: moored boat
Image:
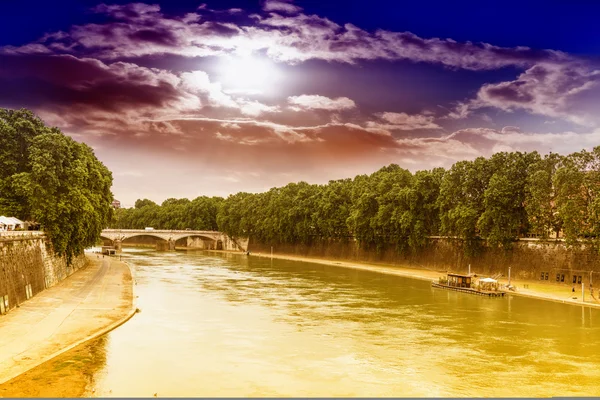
x: 466, y: 283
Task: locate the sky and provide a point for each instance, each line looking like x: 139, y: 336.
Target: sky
x: 182, y: 99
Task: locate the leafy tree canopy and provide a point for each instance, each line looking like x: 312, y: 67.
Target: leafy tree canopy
x: 48, y: 177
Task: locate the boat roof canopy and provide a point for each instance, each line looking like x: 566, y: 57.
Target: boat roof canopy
x: 460, y: 275
x: 488, y: 280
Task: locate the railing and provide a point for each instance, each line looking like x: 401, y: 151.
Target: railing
x: 155, y: 230
x: 20, y: 234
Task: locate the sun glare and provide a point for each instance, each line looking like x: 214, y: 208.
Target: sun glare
x: 248, y: 74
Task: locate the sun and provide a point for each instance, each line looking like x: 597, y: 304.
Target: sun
x: 247, y: 74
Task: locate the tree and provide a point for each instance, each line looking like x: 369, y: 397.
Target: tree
x: 377, y: 206
x: 54, y: 180
x: 504, y: 217
x: 202, y: 213
x: 423, y: 218
x: 461, y: 198
x: 139, y: 203
x: 577, y: 183
x: 497, y: 199
x: 333, y: 209
x: 540, y: 196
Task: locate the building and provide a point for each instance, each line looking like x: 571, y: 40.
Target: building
x: 116, y: 204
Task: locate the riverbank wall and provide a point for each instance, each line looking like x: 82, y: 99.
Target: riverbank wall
x: 27, y: 267
x: 528, y: 259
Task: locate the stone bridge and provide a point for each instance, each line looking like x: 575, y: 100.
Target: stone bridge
x: 212, y: 240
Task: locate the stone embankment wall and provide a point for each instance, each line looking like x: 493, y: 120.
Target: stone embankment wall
x: 27, y: 267
x: 226, y: 243
x: 527, y: 259
x: 197, y: 243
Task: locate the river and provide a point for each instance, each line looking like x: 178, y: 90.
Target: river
x: 236, y: 325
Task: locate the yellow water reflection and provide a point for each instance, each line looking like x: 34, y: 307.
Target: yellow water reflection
x: 233, y: 325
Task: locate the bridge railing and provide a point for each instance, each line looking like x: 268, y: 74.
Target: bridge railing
x: 156, y: 231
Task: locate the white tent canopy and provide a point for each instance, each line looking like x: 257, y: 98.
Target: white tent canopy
x: 11, y: 222
x: 488, y: 280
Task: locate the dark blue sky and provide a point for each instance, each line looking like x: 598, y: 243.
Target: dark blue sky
x: 570, y: 26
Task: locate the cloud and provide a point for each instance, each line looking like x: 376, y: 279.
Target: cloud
x: 90, y: 81
x: 88, y: 96
x: 263, y: 146
x: 403, y: 122
x: 128, y: 11
x: 303, y: 37
x: 488, y: 141
x: 255, y: 108
x: 281, y: 6
x: 460, y: 111
x: 317, y: 102
x: 316, y: 153
x: 511, y: 129
x: 138, y: 30
x: 64, y: 80
x: 198, y: 82
x: 569, y: 91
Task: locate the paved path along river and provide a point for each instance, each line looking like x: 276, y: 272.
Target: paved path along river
x: 87, y: 302
x: 233, y: 325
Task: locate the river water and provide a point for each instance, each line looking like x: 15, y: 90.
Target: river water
x: 233, y: 325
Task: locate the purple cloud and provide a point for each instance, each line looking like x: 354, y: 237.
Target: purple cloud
x: 281, y: 6
x: 64, y: 80
x: 569, y: 91
x: 140, y: 30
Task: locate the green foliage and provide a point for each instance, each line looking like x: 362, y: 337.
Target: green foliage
x: 461, y: 198
x: 540, y: 196
x: 494, y: 201
x: 577, y: 185
x: 176, y: 214
x: 504, y: 217
x: 143, y: 203
x: 48, y: 177
x: 390, y: 207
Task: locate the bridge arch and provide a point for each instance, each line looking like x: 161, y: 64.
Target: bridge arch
x: 157, y: 240
x: 106, y: 238
x: 150, y: 234
x: 199, y: 241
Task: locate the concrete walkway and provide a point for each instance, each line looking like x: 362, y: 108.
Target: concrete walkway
x: 87, y: 304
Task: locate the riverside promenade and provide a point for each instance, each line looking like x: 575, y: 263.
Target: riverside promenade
x: 89, y: 303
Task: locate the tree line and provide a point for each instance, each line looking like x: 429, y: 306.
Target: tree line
x: 47, y: 177
x: 176, y: 214
x: 500, y: 198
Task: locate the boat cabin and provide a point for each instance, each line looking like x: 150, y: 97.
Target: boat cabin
x: 459, y: 280
x: 488, y: 284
